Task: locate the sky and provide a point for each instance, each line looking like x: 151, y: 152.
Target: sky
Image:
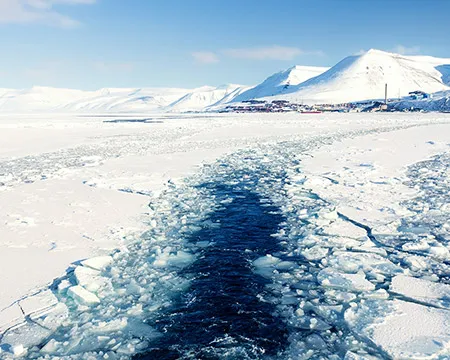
x: 92, y: 44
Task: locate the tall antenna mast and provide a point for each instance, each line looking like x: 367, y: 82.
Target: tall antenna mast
x: 385, y: 93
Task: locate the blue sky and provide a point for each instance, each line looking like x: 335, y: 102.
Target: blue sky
x: 89, y: 44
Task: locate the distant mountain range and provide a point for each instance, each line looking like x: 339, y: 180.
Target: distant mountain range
x: 355, y: 78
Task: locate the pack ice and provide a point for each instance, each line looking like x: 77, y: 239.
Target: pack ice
x: 341, y: 289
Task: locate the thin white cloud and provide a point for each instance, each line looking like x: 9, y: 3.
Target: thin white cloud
x: 38, y: 11
x: 274, y: 52
x: 405, y: 50
x: 205, y: 57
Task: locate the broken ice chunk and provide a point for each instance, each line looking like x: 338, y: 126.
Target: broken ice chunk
x: 315, y: 342
x: 98, y: 263
x: 416, y: 246
x: 168, y: 257
x: 416, y: 263
x: 315, y: 253
x: 82, y: 296
x: 439, y: 252
x: 351, y: 282
x: 89, y: 278
x: 265, y: 265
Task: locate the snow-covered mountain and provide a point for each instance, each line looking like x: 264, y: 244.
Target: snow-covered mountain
x: 103, y: 100
x: 204, y: 97
x: 363, y: 77
x: 281, y: 81
x: 119, y: 100
x: 125, y: 100
x: 359, y: 77
x: 38, y: 98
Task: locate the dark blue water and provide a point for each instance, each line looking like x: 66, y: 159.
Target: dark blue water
x: 221, y: 315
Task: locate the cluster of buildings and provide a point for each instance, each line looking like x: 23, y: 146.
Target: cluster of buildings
x: 277, y: 106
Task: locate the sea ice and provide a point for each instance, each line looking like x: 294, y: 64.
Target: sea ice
x: 98, y: 263
x: 82, y: 296
x: 350, y: 282
x: 404, y: 330
x: 423, y: 291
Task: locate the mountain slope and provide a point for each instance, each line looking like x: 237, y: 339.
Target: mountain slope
x: 279, y: 82
x: 363, y: 77
x: 204, y: 97
x: 115, y: 100
x: 125, y: 100
x: 37, y: 98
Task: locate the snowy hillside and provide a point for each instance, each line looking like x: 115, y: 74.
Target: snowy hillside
x: 125, y: 100
x: 281, y: 81
x: 363, y: 77
x: 37, y: 98
x: 44, y: 99
x: 229, y: 97
x: 206, y: 96
x: 103, y: 100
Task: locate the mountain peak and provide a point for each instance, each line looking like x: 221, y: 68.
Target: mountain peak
x: 363, y: 77
x: 376, y: 51
x: 280, y: 81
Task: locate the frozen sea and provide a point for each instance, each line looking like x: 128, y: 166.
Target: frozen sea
x: 278, y: 237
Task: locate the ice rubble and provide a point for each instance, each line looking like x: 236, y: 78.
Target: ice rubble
x: 343, y: 292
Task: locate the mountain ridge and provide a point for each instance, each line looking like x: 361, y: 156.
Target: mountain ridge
x: 354, y: 78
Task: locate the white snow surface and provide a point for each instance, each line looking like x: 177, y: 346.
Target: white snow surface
x: 75, y: 195
x: 405, y: 330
